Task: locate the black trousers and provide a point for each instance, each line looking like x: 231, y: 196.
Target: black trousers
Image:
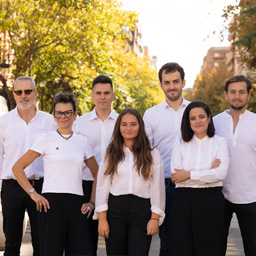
x: 128, y: 216
x: 15, y: 201
x: 163, y: 229
x: 63, y: 228
x: 246, y: 215
x: 93, y: 224
x: 196, y: 224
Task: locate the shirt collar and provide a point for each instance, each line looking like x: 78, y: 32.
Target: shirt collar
x: 200, y: 140
x: 17, y: 113
x: 184, y: 103
x: 111, y: 115
x: 240, y: 116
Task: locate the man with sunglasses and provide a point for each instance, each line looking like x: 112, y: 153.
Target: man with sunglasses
x: 98, y: 126
x: 18, y: 130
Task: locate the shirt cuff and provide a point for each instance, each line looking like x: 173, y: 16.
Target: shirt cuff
x: 160, y: 212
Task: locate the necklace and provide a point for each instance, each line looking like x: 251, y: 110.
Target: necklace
x: 66, y: 138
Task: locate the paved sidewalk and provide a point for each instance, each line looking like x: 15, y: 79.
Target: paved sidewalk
x: 235, y: 246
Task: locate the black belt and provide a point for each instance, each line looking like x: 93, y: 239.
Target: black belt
x: 168, y: 182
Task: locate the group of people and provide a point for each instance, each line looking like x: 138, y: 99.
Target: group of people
x: 123, y: 176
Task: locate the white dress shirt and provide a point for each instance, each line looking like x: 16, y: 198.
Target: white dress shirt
x: 63, y: 162
x: 162, y: 125
x: 128, y: 181
x: 98, y: 133
x: 198, y: 156
x: 240, y: 183
x: 16, y: 137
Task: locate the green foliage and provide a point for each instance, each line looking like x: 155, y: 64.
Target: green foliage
x: 69, y: 42
x: 242, y: 31
x: 209, y: 88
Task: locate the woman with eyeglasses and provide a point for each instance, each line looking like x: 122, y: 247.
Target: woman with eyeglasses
x: 130, y: 193
x: 63, y: 225
x: 199, y: 163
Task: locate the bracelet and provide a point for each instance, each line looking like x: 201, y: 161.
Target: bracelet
x: 92, y: 203
x: 154, y: 219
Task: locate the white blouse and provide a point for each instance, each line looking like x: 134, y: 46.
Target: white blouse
x: 198, y: 156
x: 128, y: 181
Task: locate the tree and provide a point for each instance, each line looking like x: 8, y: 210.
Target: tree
x: 242, y: 30
x: 68, y: 43
x: 209, y: 88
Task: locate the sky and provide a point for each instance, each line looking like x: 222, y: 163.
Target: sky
x: 181, y: 30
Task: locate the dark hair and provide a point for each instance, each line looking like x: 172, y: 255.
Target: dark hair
x: 186, y: 132
x: 102, y: 80
x: 238, y: 78
x: 141, y: 148
x: 64, y: 97
x: 171, y: 67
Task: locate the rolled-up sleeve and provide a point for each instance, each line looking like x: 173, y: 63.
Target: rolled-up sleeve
x: 102, y: 191
x: 157, y: 187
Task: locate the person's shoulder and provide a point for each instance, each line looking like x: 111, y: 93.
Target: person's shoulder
x: 218, y: 139
x: 154, y: 109
x: 220, y: 115
x: 81, y: 138
x: 251, y: 114
x: 156, y: 156
x: 43, y: 114
x: 84, y: 117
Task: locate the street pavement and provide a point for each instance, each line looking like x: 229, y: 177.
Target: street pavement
x: 235, y: 246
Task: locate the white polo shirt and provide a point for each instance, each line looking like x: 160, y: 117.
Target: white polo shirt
x: 240, y: 183
x: 99, y: 134
x: 162, y: 125
x: 16, y: 137
x: 63, y: 162
x: 198, y: 156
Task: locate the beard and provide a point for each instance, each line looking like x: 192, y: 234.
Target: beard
x: 237, y: 107
x: 175, y: 97
x: 26, y: 106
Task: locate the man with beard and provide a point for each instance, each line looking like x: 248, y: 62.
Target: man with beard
x: 237, y: 125
x: 162, y: 124
x: 18, y: 130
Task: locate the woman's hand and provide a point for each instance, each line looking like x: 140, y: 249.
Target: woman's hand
x: 41, y: 202
x: 87, y: 208
x: 216, y: 164
x: 103, y: 228
x: 180, y: 175
x: 152, y: 227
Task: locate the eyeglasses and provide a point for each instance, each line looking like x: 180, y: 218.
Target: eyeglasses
x: 58, y: 114
x: 19, y: 92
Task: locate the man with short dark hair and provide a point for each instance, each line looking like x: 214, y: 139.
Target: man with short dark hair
x: 97, y: 126
x: 162, y: 124
x: 18, y: 130
x: 237, y: 125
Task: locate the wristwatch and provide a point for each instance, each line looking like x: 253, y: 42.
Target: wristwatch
x: 31, y: 191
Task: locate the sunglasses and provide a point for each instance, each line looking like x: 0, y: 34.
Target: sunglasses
x: 19, y: 92
x: 67, y: 114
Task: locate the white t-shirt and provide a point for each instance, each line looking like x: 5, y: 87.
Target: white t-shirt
x: 63, y: 161
x: 128, y: 181
x: 198, y: 156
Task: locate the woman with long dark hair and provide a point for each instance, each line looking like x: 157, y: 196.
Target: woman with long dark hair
x: 198, y: 166
x: 130, y: 195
